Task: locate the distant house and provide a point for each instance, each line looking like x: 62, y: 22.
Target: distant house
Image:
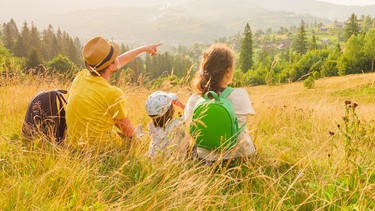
x: 326, y: 41
x: 323, y: 28
x: 339, y: 25
x: 282, y: 46
x: 268, y: 46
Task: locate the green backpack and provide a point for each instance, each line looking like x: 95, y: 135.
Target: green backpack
x: 214, y: 124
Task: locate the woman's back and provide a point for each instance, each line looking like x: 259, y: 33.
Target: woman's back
x: 242, y: 109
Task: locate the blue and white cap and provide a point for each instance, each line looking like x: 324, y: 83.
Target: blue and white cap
x: 158, y: 103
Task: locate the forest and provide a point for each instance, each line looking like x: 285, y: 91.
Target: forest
x: 305, y: 52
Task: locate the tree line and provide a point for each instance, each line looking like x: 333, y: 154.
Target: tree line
x: 295, y: 54
x: 48, y: 51
x: 307, y: 51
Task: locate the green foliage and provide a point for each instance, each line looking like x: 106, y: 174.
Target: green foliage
x: 369, y: 48
x: 167, y: 64
x: 10, y: 64
x: 34, y: 60
x: 39, y: 47
x: 165, y: 82
x: 250, y: 78
x: 352, y: 26
x: 353, y: 59
x: 362, y: 92
x: 311, y: 61
x: 130, y: 74
x: 329, y: 66
x: 126, y: 77
x: 62, y: 66
x: 316, y: 75
x: 286, y: 75
x: 309, y: 82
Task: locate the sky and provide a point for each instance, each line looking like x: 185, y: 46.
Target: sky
x: 351, y: 2
x: 30, y: 9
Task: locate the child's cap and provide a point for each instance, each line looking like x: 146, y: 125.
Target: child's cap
x: 173, y: 96
x: 158, y: 103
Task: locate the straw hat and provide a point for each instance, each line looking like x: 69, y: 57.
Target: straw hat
x: 99, y: 53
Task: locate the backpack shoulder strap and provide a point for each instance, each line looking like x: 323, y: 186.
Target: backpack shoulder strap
x: 60, y: 95
x: 60, y: 132
x: 214, y: 95
x: 226, y: 92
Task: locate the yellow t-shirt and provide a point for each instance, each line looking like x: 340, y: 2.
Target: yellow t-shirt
x: 92, y: 109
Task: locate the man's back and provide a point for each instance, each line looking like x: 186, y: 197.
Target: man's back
x: 93, y: 106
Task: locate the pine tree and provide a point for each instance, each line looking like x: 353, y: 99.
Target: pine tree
x: 313, y: 45
x: 246, y: 52
x: 11, y: 34
x: 21, y: 48
x: 351, y: 27
x: 34, y: 39
x: 366, y: 25
x: 301, y: 40
x: 50, y: 47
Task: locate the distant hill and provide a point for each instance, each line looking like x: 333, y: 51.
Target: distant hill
x: 192, y: 21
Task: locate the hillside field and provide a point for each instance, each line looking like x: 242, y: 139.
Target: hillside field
x: 315, y: 152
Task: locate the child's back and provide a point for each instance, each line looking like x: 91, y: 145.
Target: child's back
x: 167, y: 134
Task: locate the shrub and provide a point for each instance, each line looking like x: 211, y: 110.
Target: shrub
x: 309, y: 82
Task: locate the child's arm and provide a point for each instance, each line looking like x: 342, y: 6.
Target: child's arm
x: 179, y: 104
x: 176, y: 101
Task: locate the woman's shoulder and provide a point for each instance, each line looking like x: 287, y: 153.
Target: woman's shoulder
x: 193, y: 97
x: 241, y: 101
x: 239, y: 91
x: 239, y: 94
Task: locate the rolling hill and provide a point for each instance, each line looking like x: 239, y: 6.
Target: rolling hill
x: 195, y: 21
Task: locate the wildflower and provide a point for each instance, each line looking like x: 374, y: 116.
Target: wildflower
x: 354, y: 106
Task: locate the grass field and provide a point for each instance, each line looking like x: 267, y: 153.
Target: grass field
x: 315, y: 152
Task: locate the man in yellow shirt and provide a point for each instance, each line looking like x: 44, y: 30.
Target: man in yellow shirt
x: 94, y: 106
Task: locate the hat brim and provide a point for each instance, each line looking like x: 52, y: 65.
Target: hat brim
x: 116, y: 53
x: 173, y: 96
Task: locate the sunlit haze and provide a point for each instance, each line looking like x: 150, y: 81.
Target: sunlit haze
x: 27, y: 9
x: 351, y: 2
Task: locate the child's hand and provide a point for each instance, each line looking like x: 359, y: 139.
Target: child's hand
x: 176, y: 101
x: 179, y: 104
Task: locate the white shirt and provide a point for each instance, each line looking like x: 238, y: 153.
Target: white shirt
x: 242, y: 109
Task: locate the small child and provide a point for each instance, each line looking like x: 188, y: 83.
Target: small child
x: 168, y: 137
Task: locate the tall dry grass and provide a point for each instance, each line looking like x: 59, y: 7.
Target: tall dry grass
x: 304, y: 162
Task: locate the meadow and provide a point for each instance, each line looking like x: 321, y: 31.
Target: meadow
x: 315, y: 152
